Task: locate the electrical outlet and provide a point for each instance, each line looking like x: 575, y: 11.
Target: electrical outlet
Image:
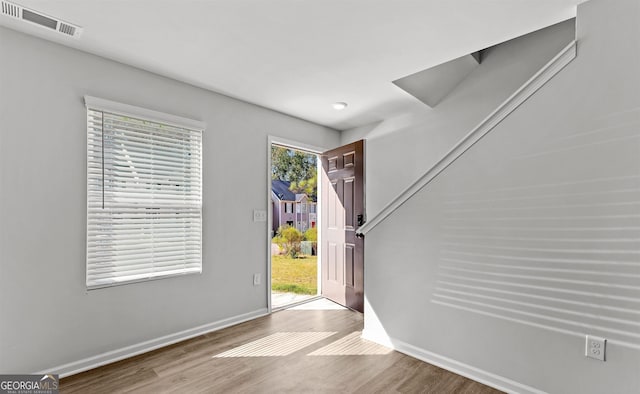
x: 595, y: 347
x: 257, y: 279
x: 259, y: 215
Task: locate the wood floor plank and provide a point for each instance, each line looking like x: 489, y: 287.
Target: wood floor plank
x: 338, y: 363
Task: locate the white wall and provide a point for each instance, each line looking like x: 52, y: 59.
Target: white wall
x: 530, y: 240
x: 47, y: 318
x: 399, y: 150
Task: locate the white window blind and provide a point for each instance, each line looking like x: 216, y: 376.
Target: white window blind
x: 144, y: 194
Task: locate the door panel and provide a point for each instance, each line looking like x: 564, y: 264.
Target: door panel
x: 343, y: 202
x: 349, y: 202
x: 333, y: 263
x: 349, y: 264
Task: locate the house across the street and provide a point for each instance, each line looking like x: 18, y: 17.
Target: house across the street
x: 289, y: 208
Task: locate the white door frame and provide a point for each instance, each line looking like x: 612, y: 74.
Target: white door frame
x: 271, y: 139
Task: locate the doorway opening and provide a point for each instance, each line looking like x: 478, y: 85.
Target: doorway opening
x: 316, y: 205
x: 294, y: 199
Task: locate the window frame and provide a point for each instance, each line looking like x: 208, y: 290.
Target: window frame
x: 125, y: 110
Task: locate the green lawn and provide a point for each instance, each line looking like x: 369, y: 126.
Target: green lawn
x: 298, y: 276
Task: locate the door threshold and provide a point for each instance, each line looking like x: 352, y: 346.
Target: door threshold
x: 297, y: 303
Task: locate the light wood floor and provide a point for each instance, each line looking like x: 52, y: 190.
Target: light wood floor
x: 291, y: 351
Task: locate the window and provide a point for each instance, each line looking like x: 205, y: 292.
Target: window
x: 313, y: 208
x: 304, y: 208
x: 297, y: 208
x: 144, y: 194
x: 288, y: 207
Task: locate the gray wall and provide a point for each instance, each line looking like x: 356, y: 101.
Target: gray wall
x: 399, y: 150
x: 531, y: 239
x: 47, y: 316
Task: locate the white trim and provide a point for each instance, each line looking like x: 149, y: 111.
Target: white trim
x: 319, y: 169
x: 147, y: 346
x: 490, y: 379
x: 293, y: 145
x: 521, y: 95
x: 269, y: 221
x: 139, y: 112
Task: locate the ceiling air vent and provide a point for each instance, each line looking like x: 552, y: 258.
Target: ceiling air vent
x: 66, y: 29
x: 10, y: 9
x: 25, y: 14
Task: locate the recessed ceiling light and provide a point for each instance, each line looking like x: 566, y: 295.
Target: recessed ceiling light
x: 339, y: 106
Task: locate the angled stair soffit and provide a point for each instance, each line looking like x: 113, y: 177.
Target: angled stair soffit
x: 433, y: 84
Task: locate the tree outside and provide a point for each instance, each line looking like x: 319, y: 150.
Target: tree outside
x: 296, y: 167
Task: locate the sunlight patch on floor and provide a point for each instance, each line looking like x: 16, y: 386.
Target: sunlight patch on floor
x: 278, y: 344
x: 351, y: 345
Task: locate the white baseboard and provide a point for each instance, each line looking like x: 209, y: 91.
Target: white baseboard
x: 147, y: 346
x: 473, y: 373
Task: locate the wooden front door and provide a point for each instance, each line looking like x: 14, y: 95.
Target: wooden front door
x: 342, y: 213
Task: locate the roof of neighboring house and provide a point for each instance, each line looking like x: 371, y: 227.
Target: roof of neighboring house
x: 281, y: 190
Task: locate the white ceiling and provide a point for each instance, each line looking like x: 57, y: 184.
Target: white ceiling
x: 296, y: 56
